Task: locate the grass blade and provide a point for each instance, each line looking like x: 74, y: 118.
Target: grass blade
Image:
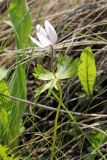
x: 21, y: 21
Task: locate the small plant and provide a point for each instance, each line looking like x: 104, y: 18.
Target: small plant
x: 63, y: 67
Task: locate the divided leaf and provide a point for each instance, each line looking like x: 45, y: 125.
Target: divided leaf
x: 42, y: 73
x: 66, y: 67
x: 87, y: 70
x: 50, y: 85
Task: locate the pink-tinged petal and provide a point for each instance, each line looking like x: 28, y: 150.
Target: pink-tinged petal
x: 51, y: 32
x: 43, y: 40
x: 41, y: 30
x: 1, y: 1
x: 36, y: 42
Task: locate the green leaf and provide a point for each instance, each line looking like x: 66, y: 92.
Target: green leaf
x: 90, y: 157
x: 20, y: 18
x: 98, y: 138
x: 87, y: 70
x: 17, y: 89
x: 42, y: 73
x: 50, y: 85
x: 66, y: 67
x: 4, y: 112
x: 3, y: 73
x: 4, y: 90
x: 21, y: 21
x: 4, y: 152
x: 4, y: 126
x: 4, y: 118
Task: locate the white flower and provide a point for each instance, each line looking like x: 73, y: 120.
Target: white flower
x: 1, y: 1
x: 46, y: 36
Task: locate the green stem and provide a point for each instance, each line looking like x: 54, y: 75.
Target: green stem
x: 52, y: 61
x: 56, y: 121
x: 77, y: 125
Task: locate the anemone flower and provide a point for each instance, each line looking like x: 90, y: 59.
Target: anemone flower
x: 46, y: 36
x: 1, y: 1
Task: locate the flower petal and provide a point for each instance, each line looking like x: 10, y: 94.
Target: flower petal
x: 41, y: 30
x: 36, y: 42
x: 43, y: 40
x: 51, y: 32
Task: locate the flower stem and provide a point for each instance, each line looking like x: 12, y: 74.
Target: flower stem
x: 56, y: 121
x: 52, y: 61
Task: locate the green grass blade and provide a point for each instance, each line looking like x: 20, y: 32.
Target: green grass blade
x: 22, y: 23
x: 17, y: 89
x: 21, y: 20
x: 4, y: 116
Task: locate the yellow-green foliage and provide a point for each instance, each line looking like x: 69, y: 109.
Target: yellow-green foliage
x: 87, y: 70
x: 4, y: 154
